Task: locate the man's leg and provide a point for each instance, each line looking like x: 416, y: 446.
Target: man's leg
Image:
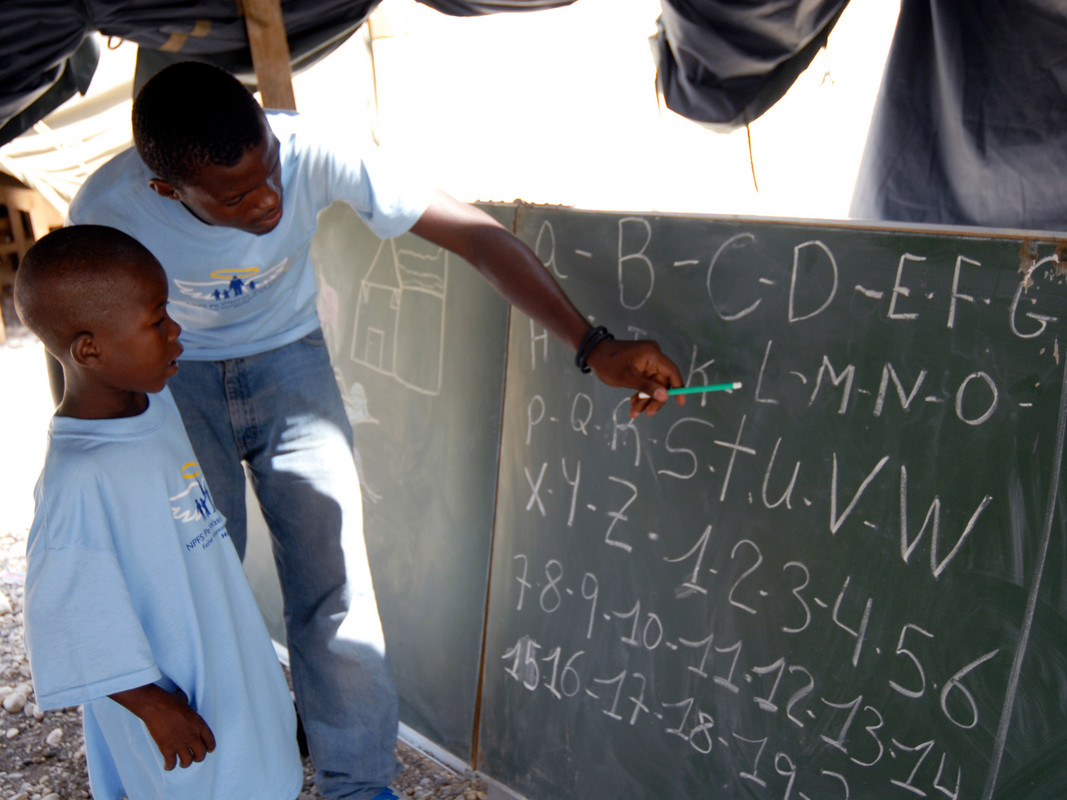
x: 199, y: 390
x: 305, y: 478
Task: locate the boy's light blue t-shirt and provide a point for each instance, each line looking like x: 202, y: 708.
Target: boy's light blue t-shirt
x: 133, y: 580
x: 234, y: 293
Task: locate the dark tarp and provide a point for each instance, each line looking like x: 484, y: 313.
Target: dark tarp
x: 970, y: 125
x: 46, y: 91
x: 725, y: 62
x: 39, y: 40
x: 477, y: 8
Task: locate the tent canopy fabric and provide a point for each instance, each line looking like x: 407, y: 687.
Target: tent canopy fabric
x: 37, y: 56
x: 724, y: 62
x: 721, y: 62
x: 970, y: 125
x: 43, y: 65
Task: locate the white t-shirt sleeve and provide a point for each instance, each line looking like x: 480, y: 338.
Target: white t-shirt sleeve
x: 387, y: 197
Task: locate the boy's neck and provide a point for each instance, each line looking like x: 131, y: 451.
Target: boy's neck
x: 99, y: 405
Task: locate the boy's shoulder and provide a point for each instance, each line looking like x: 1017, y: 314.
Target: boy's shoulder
x: 122, y: 176
x: 74, y: 434
x: 92, y: 462
x: 77, y: 454
x: 101, y: 470
x: 73, y: 499
x: 115, y: 172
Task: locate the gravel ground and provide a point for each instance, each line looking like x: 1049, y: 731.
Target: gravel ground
x: 42, y: 754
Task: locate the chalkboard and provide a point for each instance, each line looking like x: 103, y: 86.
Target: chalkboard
x: 417, y: 339
x: 844, y: 580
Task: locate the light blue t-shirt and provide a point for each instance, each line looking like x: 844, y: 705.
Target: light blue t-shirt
x: 133, y: 580
x: 234, y: 293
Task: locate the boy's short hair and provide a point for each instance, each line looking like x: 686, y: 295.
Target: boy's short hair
x: 70, y: 280
x: 191, y: 114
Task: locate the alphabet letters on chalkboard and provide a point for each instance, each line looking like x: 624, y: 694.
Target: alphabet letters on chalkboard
x: 835, y: 582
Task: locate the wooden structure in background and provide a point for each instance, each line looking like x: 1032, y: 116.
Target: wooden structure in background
x: 25, y: 217
x: 270, y: 52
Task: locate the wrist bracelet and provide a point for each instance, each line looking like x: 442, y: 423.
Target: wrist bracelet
x: 589, y: 343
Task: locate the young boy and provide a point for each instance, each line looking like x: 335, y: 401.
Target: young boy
x: 136, y: 604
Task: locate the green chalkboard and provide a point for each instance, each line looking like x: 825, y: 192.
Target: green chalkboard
x: 417, y: 339
x: 844, y: 580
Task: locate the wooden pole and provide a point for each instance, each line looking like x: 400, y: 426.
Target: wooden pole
x: 270, y: 52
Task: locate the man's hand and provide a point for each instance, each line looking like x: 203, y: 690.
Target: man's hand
x: 637, y: 365
x: 180, y: 733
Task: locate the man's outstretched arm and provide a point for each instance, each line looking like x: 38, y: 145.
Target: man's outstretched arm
x: 516, y: 273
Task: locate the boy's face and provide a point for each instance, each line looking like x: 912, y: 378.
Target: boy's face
x: 246, y: 196
x: 139, y: 342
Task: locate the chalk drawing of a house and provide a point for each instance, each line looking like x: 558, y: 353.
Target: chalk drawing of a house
x: 400, y: 316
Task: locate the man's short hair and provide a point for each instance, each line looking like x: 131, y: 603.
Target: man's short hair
x: 191, y: 114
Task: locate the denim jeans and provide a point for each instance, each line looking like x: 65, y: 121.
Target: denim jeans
x: 281, y: 413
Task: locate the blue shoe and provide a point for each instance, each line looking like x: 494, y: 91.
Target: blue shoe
x: 390, y: 793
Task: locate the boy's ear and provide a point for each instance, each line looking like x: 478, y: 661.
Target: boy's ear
x: 85, y: 350
x: 164, y: 188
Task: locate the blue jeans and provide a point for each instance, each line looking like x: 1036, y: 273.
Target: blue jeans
x: 281, y: 413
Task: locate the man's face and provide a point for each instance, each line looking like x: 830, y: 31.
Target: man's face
x: 246, y: 196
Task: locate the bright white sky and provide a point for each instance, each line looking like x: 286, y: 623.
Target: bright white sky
x: 558, y: 106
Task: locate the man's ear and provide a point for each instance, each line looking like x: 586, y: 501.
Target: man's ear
x: 164, y: 188
x: 85, y: 350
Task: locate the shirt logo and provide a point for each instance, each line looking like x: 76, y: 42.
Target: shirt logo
x: 229, y: 288
x: 194, y: 506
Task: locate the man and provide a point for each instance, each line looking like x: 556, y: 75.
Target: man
x: 227, y: 197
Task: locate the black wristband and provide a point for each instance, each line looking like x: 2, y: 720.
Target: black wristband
x: 589, y: 343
